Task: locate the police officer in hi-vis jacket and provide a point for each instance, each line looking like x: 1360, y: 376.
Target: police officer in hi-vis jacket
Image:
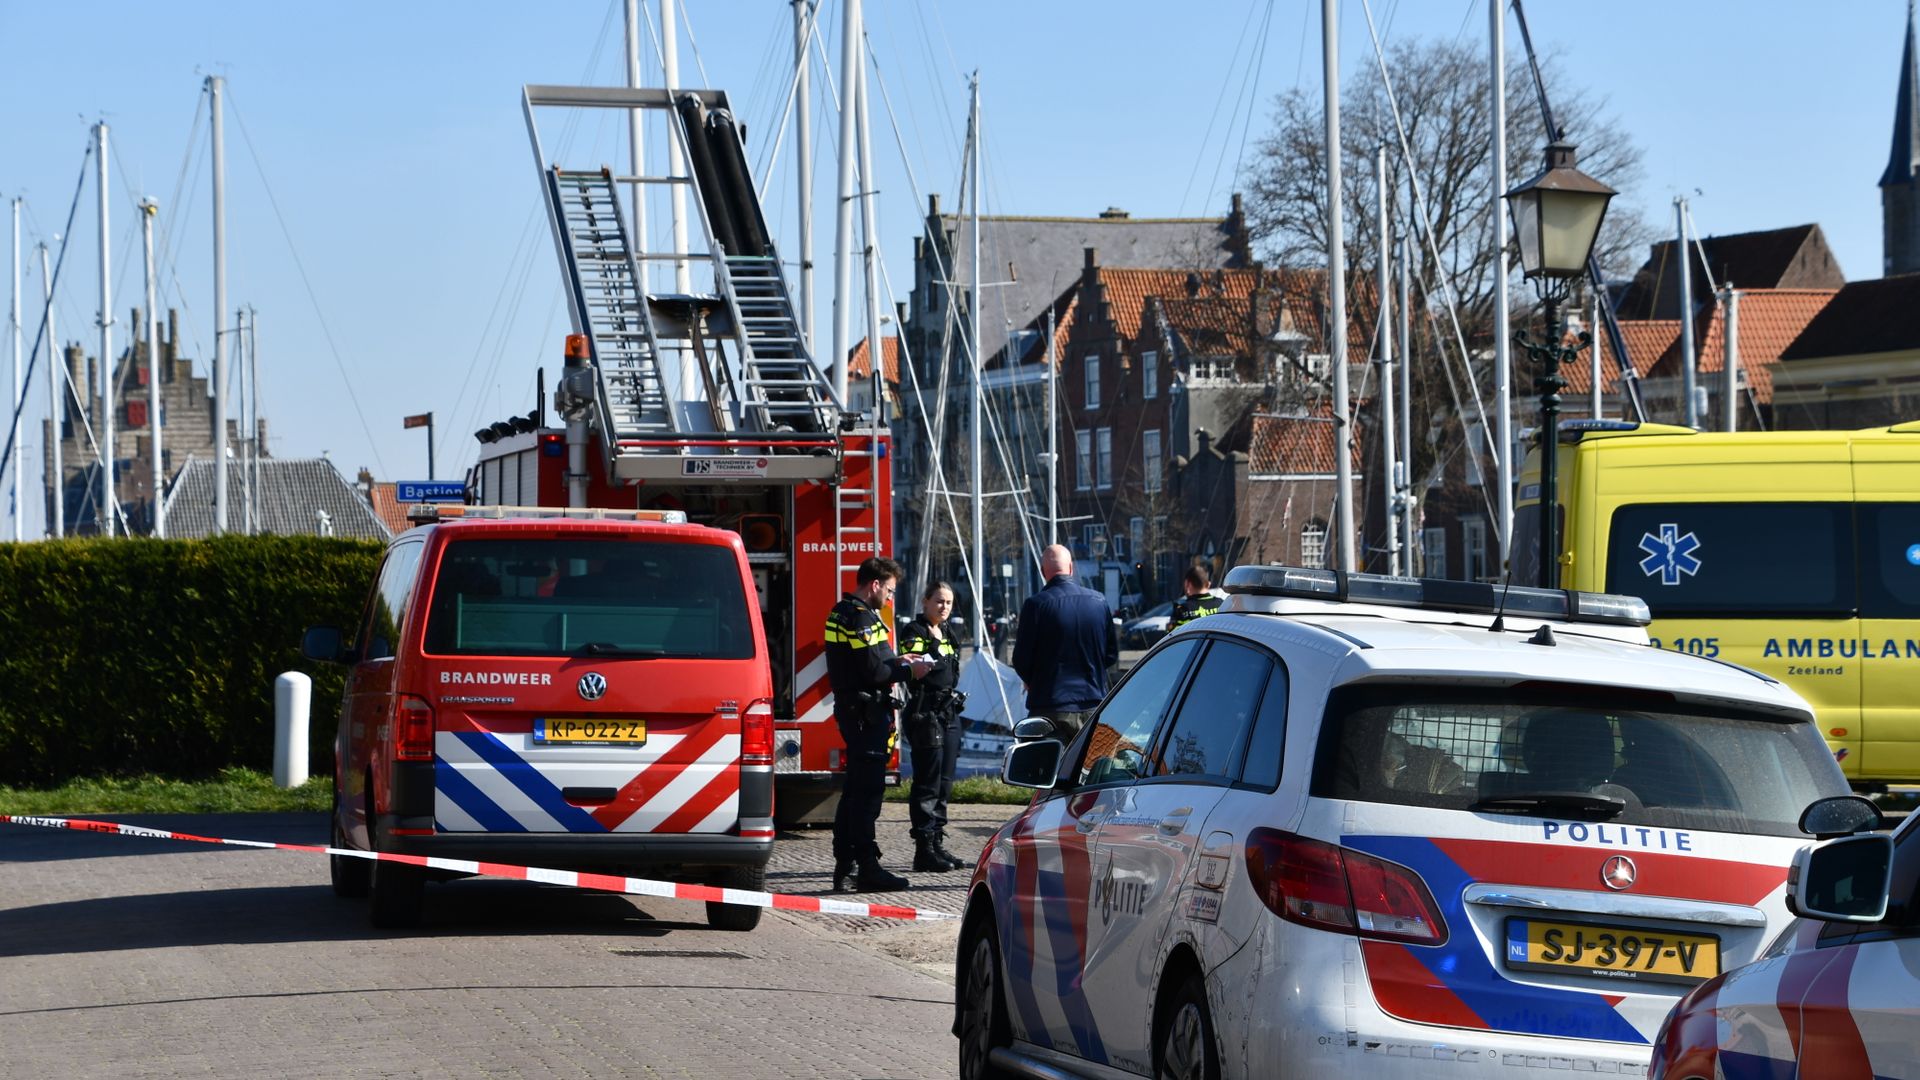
x: 932, y: 725
x: 863, y: 668
x: 1201, y: 599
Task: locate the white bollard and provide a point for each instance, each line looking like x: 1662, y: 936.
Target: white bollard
x: 292, y: 698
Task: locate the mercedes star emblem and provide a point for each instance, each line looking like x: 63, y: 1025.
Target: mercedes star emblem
x: 593, y: 684
x: 1618, y: 872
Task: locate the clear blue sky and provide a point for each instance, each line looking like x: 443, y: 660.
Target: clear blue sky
x: 380, y: 147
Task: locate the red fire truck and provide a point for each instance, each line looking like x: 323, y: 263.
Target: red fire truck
x: 705, y: 401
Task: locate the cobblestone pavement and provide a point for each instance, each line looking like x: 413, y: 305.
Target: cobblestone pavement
x: 133, y: 957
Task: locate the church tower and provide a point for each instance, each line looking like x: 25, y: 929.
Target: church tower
x: 1900, y: 185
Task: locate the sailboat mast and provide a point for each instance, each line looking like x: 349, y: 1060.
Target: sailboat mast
x: 1408, y: 505
x: 15, y: 400
x: 106, y: 505
x: 1337, y: 290
x: 1687, y: 408
x: 636, y: 137
x: 978, y: 569
x: 1389, y: 461
x: 870, y: 246
x: 851, y: 33
x: 803, y: 139
x: 56, y: 408
x: 1502, y: 315
x: 215, y: 84
x: 149, y: 208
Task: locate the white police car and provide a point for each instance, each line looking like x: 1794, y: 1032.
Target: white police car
x: 1837, y: 994
x: 1357, y: 824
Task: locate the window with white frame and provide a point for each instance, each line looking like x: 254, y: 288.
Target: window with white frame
x: 1083, y: 461
x: 1433, y: 552
x: 1473, y: 541
x: 1313, y: 544
x: 1149, y: 375
x: 1103, y: 458
x: 1150, y: 460
x: 1093, y: 381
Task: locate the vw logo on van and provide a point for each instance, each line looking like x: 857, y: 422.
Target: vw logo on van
x: 592, y: 685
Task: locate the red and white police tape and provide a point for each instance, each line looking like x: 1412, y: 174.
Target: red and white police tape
x: 600, y: 882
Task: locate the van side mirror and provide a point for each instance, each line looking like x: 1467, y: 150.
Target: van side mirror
x: 322, y: 643
x: 1840, y: 815
x: 1844, y: 880
x: 1033, y: 764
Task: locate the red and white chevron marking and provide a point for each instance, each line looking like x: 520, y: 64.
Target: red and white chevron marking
x: 600, y: 882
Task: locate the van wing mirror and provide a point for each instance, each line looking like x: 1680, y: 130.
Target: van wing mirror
x: 1840, y: 815
x: 322, y: 643
x: 1844, y: 880
x: 1033, y: 764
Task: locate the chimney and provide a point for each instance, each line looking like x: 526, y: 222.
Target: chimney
x: 1206, y: 440
x: 1092, y: 258
x: 933, y: 205
x: 1193, y: 284
x: 366, y: 480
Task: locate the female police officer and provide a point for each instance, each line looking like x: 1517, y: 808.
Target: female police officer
x: 932, y: 724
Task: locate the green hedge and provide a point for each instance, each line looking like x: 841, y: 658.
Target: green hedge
x: 157, y: 657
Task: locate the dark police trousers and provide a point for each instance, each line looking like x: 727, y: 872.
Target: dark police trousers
x: 934, y: 739
x: 868, y: 730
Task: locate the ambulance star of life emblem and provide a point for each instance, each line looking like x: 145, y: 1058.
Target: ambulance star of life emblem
x: 592, y: 685
x: 1617, y: 872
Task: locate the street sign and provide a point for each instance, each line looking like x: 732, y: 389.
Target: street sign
x: 430, y: 491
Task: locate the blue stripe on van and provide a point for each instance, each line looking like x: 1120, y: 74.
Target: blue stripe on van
x: 448, y: 784
x: 531, y: 784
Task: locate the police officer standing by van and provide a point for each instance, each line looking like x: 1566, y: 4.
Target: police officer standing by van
x: 863, y: 669
x: 932, y: 725
x: 1201, y: 599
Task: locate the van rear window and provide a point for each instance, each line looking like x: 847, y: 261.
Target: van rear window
x: 1499, y: 749
x: 1753, y: 559
x: 571, y: 597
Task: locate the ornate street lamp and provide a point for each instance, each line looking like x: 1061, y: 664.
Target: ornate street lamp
x: 1556, y: 217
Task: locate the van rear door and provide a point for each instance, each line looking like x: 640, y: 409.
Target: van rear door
x: 588, y: 683
x: 1886, y: 480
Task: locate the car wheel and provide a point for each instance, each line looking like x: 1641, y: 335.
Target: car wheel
x: 351, y: 876
x: 737, y: 916
x: 397, y: 889
x: 1185, y: 1049
x: 983, y: 1009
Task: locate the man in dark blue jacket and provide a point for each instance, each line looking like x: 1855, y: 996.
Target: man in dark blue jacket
x: 1065, y: 645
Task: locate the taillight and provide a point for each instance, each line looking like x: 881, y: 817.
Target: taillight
x: 412, y: 729
x: 756, y: 734
x: 1314, y: 883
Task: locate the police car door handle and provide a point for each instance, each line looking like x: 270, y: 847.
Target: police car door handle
x: 1175, y: 823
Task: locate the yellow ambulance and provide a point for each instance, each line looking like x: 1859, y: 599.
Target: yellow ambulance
x: 1795, y: 553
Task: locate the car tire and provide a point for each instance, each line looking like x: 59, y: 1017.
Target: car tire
x: 1184, y: 1047
x: 397, y: 889
x: 351, y: 877
x: 737, y: 917
x: 983, y: 1006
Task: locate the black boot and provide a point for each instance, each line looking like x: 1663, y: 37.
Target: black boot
x: 872, y: 877
x: 843, y: 874
x: 940, y: 852
x: 926, y: 856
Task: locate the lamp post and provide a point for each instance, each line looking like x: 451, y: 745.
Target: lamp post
x: 1556, y: 217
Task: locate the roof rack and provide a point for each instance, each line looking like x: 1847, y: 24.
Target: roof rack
x: 1439, y: 594
x: 427, y: 513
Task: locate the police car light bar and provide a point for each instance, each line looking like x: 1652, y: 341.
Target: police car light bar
x: 1437, y: 594
x: 430, y: 512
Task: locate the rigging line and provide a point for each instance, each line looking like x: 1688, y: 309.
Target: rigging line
x: 933, y: 65
x: 1249, y: 82
x: 66, y: 237
x: 1448, y: 300
x: 793, y: 90
x: 1306, y: 28
x: 698, y: 61
x: 942, y: 119
x: 517, y: 264
x: 1225, y: 81
x: 312, y: 297
x: 1539, y: 84
x: 1453, y: 391
x: 1693, y: 236
x: 1253, y: 94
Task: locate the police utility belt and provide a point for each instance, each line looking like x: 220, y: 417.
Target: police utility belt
x: 939, y: 699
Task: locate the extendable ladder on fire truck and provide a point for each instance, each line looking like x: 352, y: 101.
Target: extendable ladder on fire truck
x: 768, y: 399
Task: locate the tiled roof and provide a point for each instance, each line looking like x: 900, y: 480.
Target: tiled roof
x: 1212, y: 326
x: 1295, y: 444
x: 391, y: 511
x: 291, y: 494
x: 1128, y: 290
x: 1031, y: 260
x: 1302, y: 292
x: 1753, y: 260
x: 860, y: 363
x: 1864, y: 317
x: 1770, y: 320
x: 1647, y: 340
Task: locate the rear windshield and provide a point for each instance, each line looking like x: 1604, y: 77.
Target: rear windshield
x: 571, y: 597
x: 1468, y: 748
